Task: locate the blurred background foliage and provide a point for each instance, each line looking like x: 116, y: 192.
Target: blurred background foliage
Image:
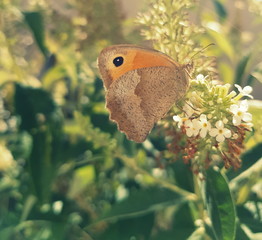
x: 65, y: 170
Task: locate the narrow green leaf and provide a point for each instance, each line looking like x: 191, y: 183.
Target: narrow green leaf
x: 220, y: 206
x: 247, y: 217
x: 209, y: 231
x: 256, y: 74
x: 223, y: 43
x: 250, y: 80
x: 35, y: 22
x: 220, y: 10
x: 241, y: 69
x: 50, y: 63
x: 240, y: 233
x: 29, y: 204
x: 226, y: 72
x: 142, y: 202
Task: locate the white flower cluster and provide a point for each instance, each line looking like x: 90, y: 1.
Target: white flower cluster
x: 201, y: 121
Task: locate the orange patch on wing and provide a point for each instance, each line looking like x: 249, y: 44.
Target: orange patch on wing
x: 141, y: 59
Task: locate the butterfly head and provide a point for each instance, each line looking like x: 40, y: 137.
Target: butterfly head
x: 114, y: 62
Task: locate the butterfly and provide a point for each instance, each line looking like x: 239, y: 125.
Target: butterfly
x: 141, y: 85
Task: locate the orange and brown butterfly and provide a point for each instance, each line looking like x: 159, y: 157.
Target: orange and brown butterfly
x: 141, y: 86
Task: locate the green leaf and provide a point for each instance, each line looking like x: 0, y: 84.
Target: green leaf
x: 241, y: 69
x: 209, y: 231
x: 220, y: 10
x: 143, y: 201
x: 183, y: 226
x: 242, y: 185
x: 250, y: 80
x: 183, y: 222
x: 53, y: 74
x: 6, y: 233
x: 255, y: 108
x: 226, y: 72
x: 220, y: 206
x: 35, y: 106
x: 222, y: 41
x: 257, y: 73
x: 183, y: 175
x: 139, y: 227
x: 29, y: 204
x: 240, y: 233
x: 35, y: 22
x: 50, y: 63
x: 249, y: 219
x: 42, y: 120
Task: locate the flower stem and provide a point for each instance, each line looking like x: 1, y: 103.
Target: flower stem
x: 200, y: 202
x: 131, y: 163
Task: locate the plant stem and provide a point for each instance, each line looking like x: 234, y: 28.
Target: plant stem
x: 131, y: 163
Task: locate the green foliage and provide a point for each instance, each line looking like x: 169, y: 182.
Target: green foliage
x: 35, y: 22
x: 220, y: 9
x: 220, y: 205
x: 42, y: 120
x: 66, y: 172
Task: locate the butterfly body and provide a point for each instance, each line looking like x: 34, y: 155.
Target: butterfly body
x: 141, y: 86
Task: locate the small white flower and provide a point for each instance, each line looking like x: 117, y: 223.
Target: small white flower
x: 220, y: 132
x: 245, y: 91
x: 240, y: 113
x: 205, y: 126
x: 192, y: 127
x: 121, y: 193
x: 179, y: 120
x: 200, y: 78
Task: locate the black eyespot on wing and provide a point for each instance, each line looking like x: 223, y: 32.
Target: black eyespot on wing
x: 118, y: 61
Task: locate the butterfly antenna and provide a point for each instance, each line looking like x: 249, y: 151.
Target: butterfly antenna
x: 190, y: 105
x: 201, y: 50
x: 182, y: 110
x: 188, y: 67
